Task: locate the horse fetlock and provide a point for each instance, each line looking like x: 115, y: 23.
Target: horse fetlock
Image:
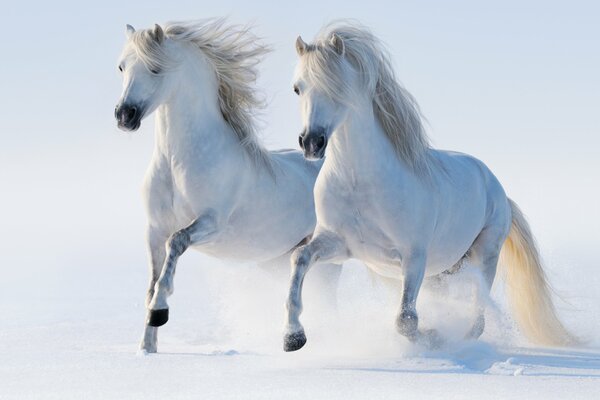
x: 407, y: 324
x: 159, y: 300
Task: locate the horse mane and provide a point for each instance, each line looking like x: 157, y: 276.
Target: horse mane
x: 234, y: 52
x: 395, y: 108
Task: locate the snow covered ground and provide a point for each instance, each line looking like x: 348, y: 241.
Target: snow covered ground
x: 71, y: 332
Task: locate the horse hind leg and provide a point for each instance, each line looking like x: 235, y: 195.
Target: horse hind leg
x: 483, y: 256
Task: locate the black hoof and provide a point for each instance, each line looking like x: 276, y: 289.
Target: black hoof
x: 294, y: 341
x: 158, y: 317
x: 407, y: 325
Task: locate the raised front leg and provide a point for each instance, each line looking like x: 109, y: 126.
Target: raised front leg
x: 407, y: 322
x: 201, y: 230
x: 156, y: 248
x: 324, y: 247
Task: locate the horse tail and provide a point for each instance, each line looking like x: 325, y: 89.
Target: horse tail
x: 527, y: 286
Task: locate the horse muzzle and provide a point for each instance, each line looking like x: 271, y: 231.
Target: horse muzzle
x: 313, y: 143
x: 129, y: 117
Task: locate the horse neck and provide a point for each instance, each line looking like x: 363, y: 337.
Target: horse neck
x: 191, y: 120
x: 360, y: 139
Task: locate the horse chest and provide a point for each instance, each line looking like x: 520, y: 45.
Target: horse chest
x: 351, y: 208
x: 164, y: 190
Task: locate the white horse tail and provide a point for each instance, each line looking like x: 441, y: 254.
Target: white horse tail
x: 527, y: 287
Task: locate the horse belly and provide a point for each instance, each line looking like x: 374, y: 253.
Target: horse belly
x: 257, y: 238
x: 233, y: 249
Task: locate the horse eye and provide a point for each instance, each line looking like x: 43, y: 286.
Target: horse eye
x: 296, y: 90
x: 120, y: 68
x: 155, y: 71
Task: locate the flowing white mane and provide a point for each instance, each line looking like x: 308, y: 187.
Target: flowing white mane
x: 395, y: 108
x: 234, y: 52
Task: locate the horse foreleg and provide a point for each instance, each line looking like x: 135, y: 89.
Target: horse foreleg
x: 323, y: 247
x: 199, y: 231
x: 156, y: 247
x: 407, y: 322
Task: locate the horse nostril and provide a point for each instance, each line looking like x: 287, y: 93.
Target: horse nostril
x: 320, y: 141
x: 131, y: 112
x: 301, y: 142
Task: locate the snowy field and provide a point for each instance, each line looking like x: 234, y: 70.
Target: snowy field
x: 223, y: 341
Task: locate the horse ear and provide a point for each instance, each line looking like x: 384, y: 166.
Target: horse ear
x: 129, y: 31
x: 300, y: 46
x: 158, y: 33
x: 338, y: 44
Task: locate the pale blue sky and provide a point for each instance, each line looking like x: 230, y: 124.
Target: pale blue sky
x: 515, y: 83
x: 477, y: 68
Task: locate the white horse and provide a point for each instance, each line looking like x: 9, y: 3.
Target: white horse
x: 210, y: 184
x: 384, y: 196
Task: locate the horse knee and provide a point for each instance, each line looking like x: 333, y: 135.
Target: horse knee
x: 178, y: 243
x: 300, y: 257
